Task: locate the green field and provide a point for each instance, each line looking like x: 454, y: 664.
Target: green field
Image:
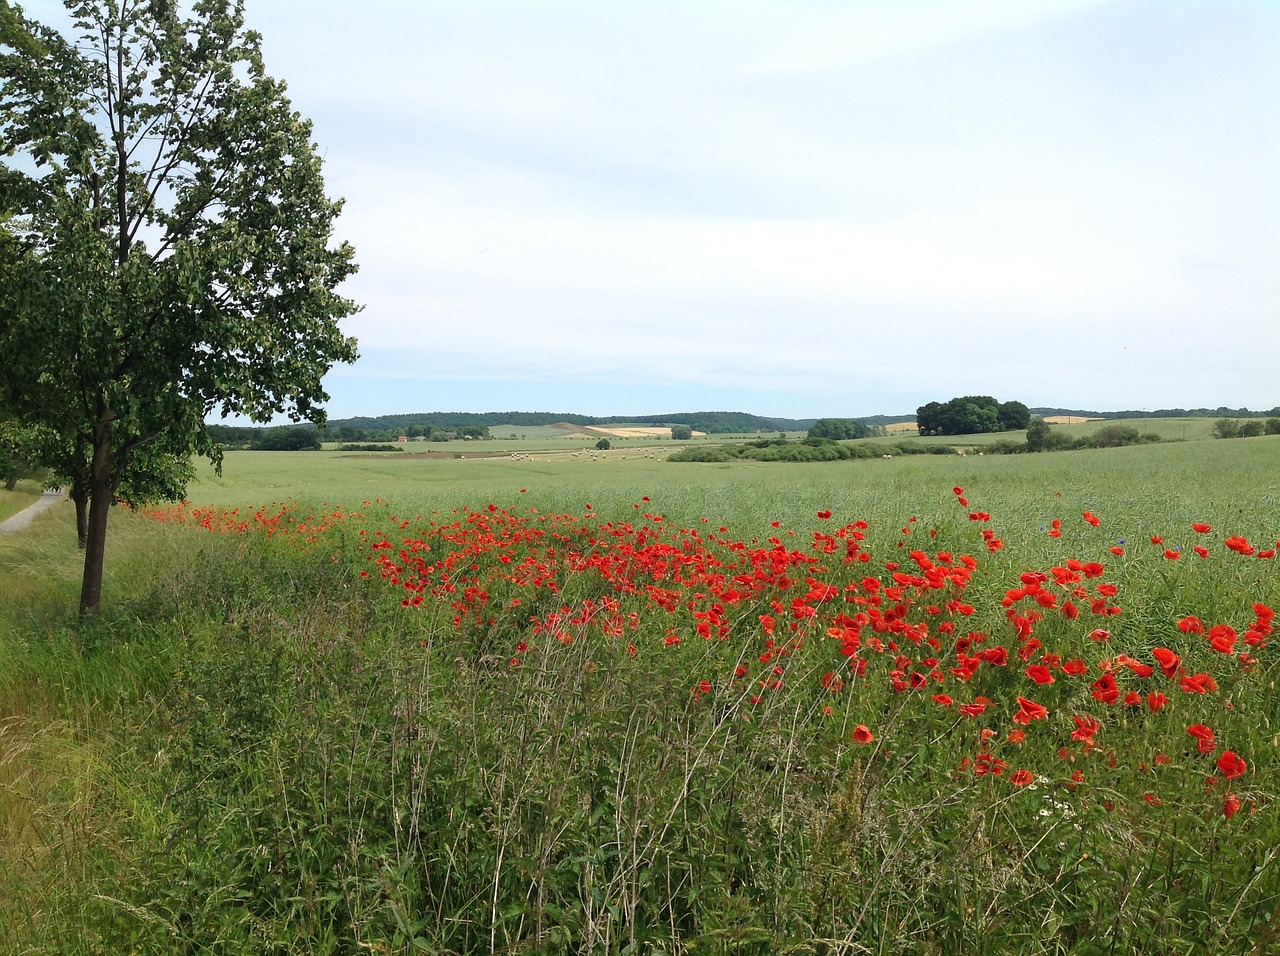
x: 612, y: 706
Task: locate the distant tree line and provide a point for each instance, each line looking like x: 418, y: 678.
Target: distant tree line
x: 1219, y: 412
x: 971, y: 415
x: 806, y: 449
x: 722, y: 423
x: 267, y: 439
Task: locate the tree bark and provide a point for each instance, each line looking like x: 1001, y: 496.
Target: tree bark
x: 100, y: 492
x: 80, y: 497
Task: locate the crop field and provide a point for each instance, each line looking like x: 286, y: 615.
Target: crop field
x: 935, y: 704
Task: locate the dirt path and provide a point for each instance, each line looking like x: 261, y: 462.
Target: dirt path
x: 24, y: 517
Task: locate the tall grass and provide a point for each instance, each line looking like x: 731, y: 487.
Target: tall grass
x: 258, y: 750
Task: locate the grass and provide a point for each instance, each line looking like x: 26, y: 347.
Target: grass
x: 256, y: 749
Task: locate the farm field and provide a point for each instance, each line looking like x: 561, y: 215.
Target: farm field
x: 1010, y: 704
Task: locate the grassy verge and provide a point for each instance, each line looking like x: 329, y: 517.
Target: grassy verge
x: 11, y: 502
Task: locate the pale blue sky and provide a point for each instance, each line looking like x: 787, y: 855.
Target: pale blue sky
x: 797, y: 208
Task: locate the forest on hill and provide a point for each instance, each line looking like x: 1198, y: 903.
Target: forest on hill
x: 443, y: 426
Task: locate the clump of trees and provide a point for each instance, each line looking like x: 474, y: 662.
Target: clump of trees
x: 1234, y: 428
x: 288, y: 438
x: 1041, y: 437
x: 971, y: 415
x: 773, y: 449
x: 838, y: 429
x: 681, y: 432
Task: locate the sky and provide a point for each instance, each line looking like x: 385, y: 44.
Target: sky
x: 798, y: 209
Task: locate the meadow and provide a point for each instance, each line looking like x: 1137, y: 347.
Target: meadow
x: 935, y: 704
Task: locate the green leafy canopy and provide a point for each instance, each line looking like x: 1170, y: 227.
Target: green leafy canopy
x: 165, y: 236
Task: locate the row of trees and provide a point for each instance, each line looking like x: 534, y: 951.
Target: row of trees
x: 971, y: 415
x: 838, y: 429
x: 710, y: 422
x: 1234, y: 428
x: 165, y: 243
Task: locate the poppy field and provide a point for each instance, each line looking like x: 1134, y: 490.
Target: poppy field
x: 964, y: 718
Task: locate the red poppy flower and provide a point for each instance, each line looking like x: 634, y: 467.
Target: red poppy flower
x: 1222, y: 637
x: 1205, y: 741
x: 1191, y: 625
x: 862, y: 735
x: 824, y: 515
x: 1239, y: 544
x: 1198, y: 684
x: 1230, y: 806
x: 1020, y: 778
x: 1231, y: 765
x: 1093, y: 519
x: 1105, y: 689
x: 1167, y: 659
x: 1201, y: 528
x: 1040, y: 674
x: 1086, y: 727
x: 1029, y: 710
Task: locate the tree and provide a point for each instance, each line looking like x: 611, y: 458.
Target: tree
x: 1037, y: 435
x: 167, y: 252
x: 681, y: 432
x: 1013, y: 416
x: 603, y: 444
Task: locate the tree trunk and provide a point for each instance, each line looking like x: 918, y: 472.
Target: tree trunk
x: 80, y: 496
x: 11, y: 483
x: 100, y: 492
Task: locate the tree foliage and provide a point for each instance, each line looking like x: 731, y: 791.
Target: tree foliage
x: 19, y: 452
x: 166, y: 243
x: 971, y: 415
x: 295, y: 438
x: 838, y: 429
